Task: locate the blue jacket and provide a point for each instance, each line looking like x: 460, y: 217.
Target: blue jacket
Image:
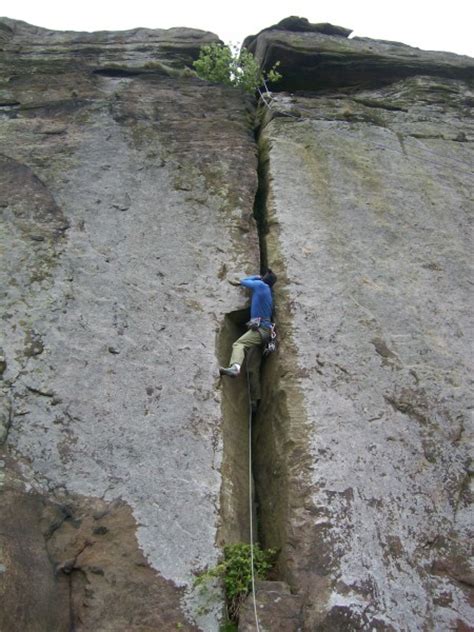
x: 261, y: 305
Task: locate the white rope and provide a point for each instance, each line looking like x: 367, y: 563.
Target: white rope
x: 251, y: 499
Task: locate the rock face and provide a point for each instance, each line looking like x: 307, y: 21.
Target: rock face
x: 129, y: 196
x: 277, y: 609
x: 295, y: 24
x: 363, y: 465
x: 127, y: 190
x: 319, y: 56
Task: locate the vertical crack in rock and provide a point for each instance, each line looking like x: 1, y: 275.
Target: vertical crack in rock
x: 271, y: 447
x: 235, y: 405
x: 260, y: 200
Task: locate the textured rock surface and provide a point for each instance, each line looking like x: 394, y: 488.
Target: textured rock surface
x: 363, y: 463
x: 318, y: 60
x: 127, y: 192
x: 277, y: 609
x: 138, y: 50
x: 77, y: 566
x: 294, y: 24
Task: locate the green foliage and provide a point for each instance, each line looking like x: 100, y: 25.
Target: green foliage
x: 228, y: 626
x: 235, y: 571
x: 220, y: 63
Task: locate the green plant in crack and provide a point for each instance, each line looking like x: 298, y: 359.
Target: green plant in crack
x: 221, y: 63
x: 228, y: 626
x: 235, y: 571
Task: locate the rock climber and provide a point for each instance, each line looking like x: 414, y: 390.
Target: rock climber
x: 260, y: 323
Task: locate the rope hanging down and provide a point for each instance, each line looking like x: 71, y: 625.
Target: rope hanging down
x: 249, y: 404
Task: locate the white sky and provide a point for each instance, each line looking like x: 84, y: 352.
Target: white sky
x: 427, y: 24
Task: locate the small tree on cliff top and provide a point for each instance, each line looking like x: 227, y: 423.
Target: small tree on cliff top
x: 221, y: 63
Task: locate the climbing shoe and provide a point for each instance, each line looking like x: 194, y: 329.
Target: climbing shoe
x: 231, y: 371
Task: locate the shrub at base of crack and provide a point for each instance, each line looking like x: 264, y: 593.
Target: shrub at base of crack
x: 228, y: 626
x: 235, y: 571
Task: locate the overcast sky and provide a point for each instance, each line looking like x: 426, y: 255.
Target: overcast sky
x: 430, y: 25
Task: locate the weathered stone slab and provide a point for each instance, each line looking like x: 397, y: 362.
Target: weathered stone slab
x: 311, y: 60
x: 136, y: 50
x: 276, y: 608
x: 295, y: 24
x: 365, y: 433
x: 77, y: 565
x: 125, y: 199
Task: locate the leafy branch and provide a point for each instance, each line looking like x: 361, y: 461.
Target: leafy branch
x: 235, y: 571
x: 221, y: 63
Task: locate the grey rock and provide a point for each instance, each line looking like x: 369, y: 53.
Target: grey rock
x: 87, y: 427
x: 316, y: 61
x: 300, y: 25
x: 130, y: 470
x: 277, y: 609
x: 365, y: 419
x: 112, y: 53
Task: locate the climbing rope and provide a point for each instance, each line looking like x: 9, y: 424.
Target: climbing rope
x: 249, y: 403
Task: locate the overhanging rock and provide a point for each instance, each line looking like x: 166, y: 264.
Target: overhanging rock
x: 322, y: 57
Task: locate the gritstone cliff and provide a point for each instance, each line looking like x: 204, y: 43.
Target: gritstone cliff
x: 130, y: 191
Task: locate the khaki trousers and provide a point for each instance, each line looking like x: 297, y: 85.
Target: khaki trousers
x: 251, y: 338
x: 251, y: 342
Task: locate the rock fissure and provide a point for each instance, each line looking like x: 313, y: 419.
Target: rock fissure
x: 363, y: 205
x: 276, y: 603
x: 6, y: 417
x: 38, y: 391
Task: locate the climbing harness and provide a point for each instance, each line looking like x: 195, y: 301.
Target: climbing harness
x: 254, y: 323
x: 268, y: 334
x: 251, y: 499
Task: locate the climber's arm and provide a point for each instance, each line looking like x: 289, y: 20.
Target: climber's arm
x: 251, y: 282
